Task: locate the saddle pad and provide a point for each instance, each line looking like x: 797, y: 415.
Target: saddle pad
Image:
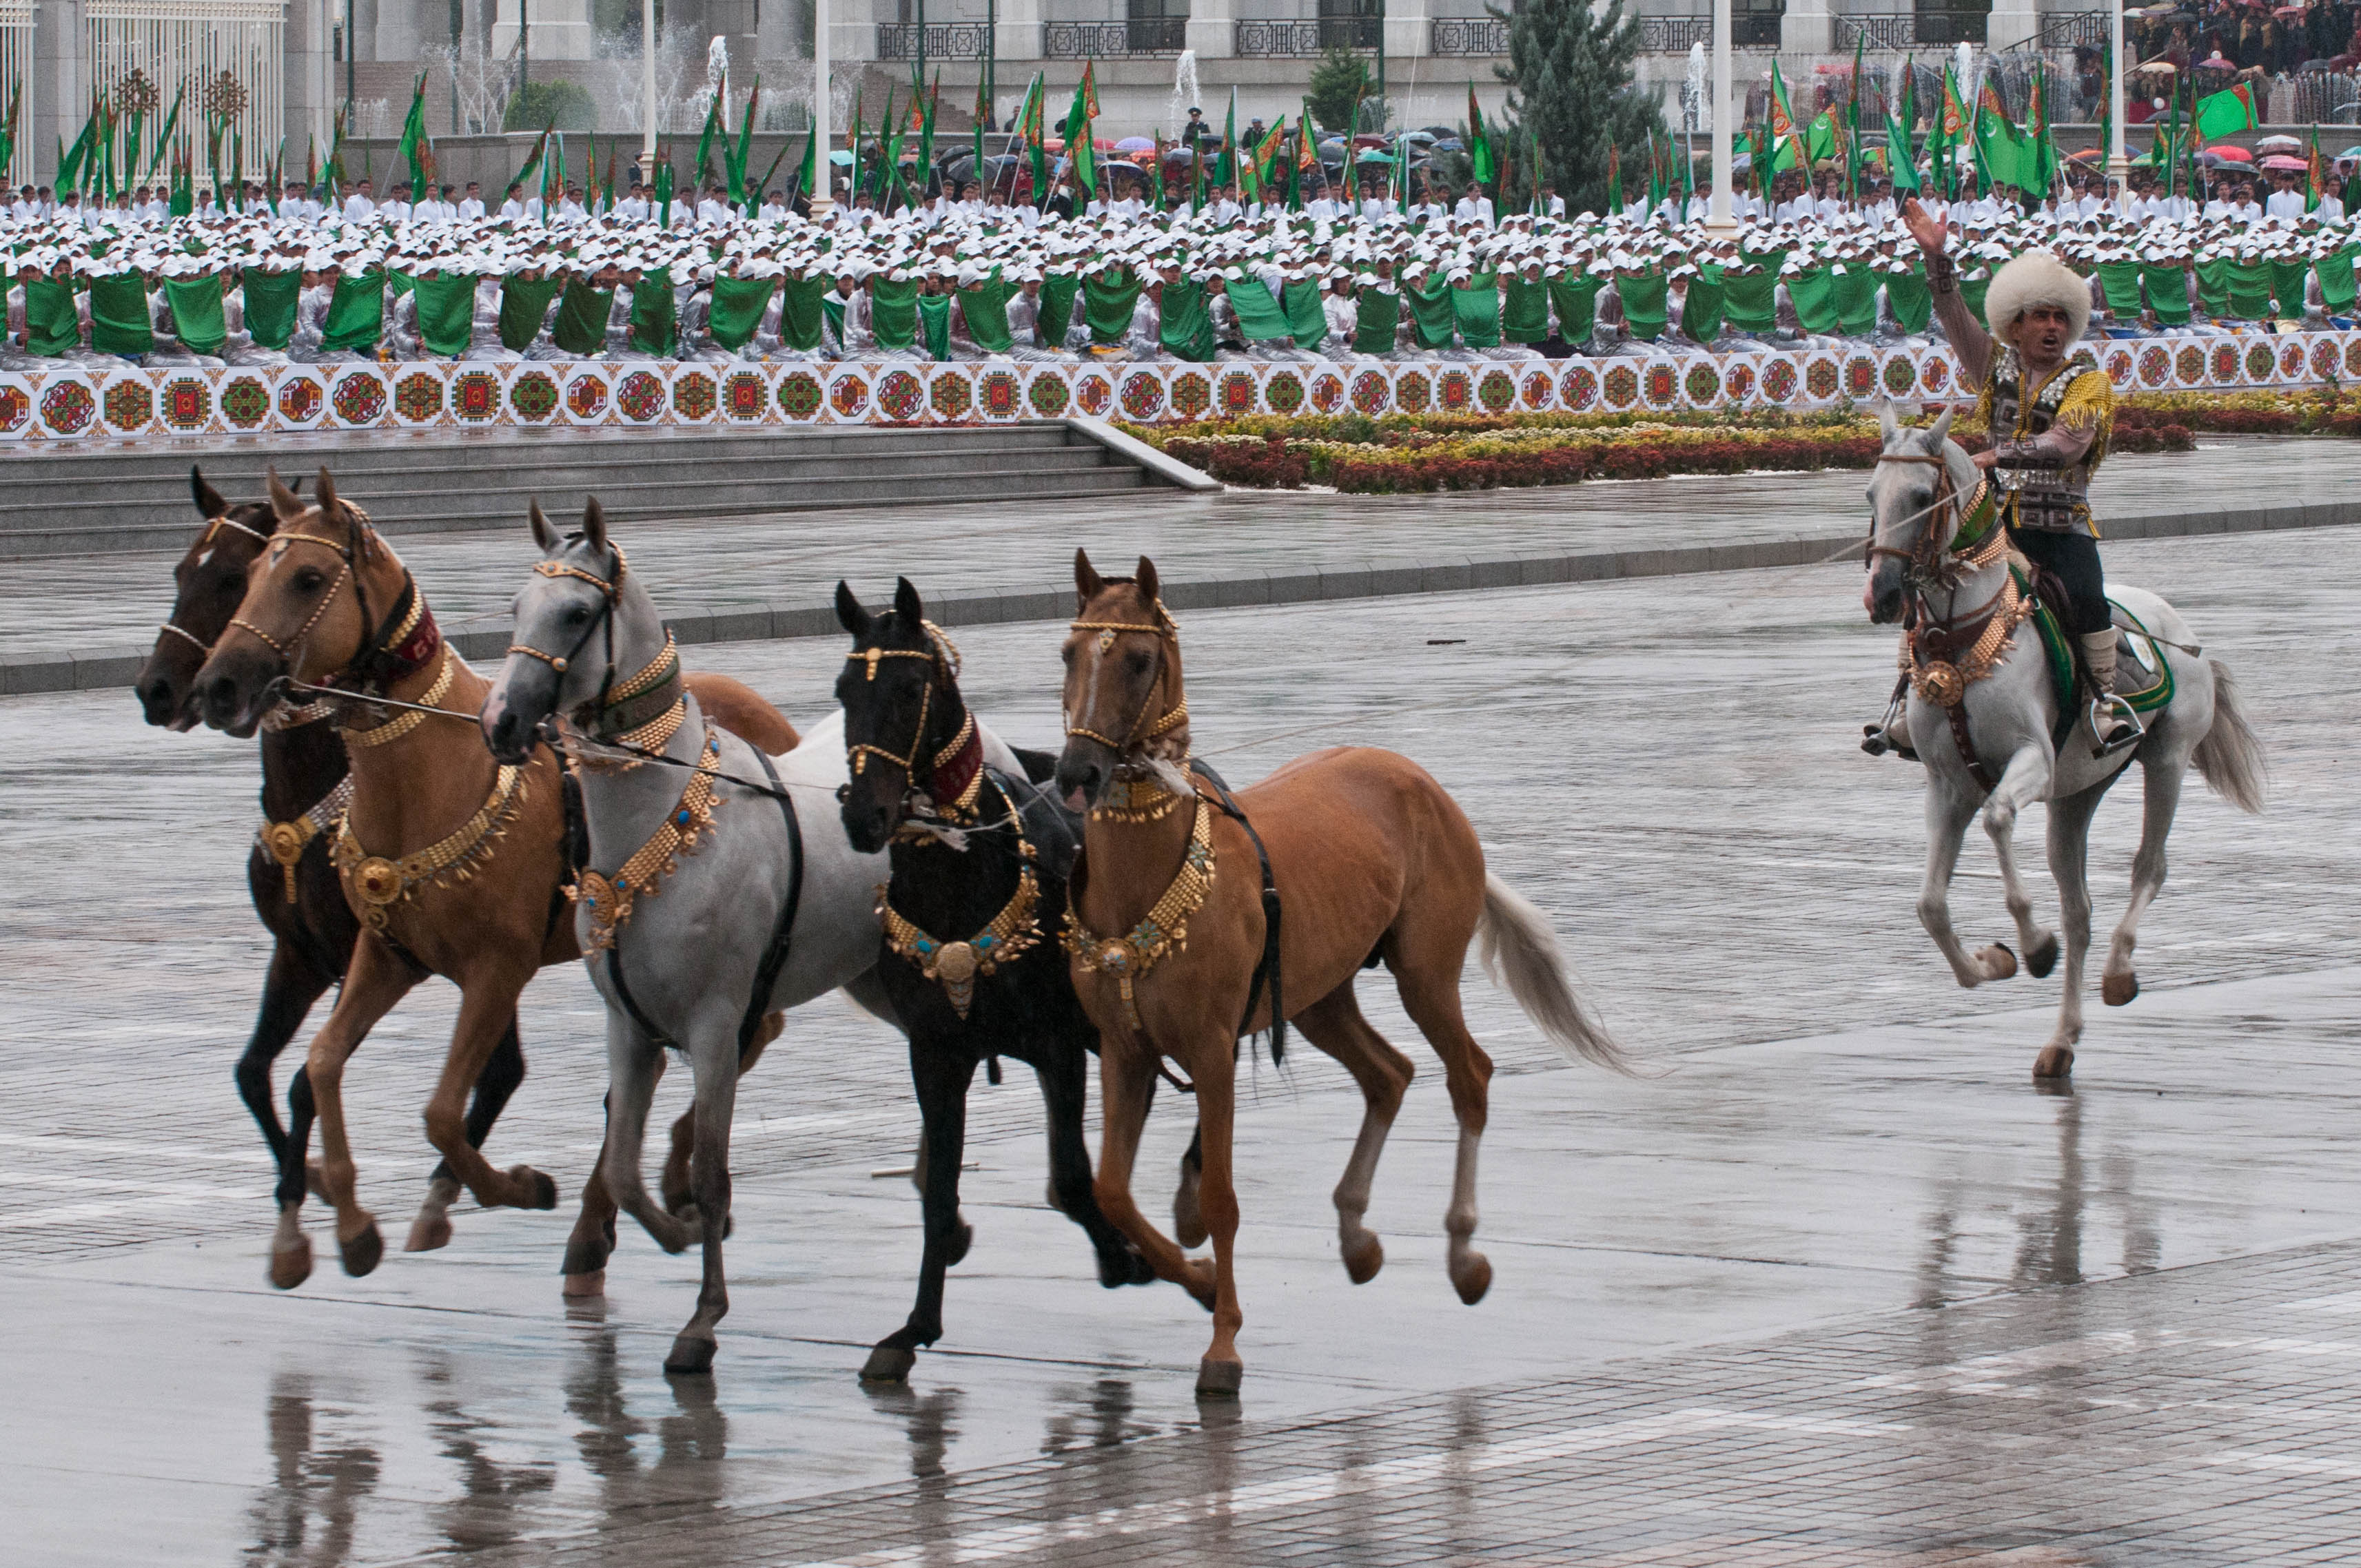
x: 2136, y: 661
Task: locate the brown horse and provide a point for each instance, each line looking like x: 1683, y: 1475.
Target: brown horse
x: 1194, y: 915
x: 456, y: 864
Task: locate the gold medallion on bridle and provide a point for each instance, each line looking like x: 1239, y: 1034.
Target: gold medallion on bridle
x: 1942, y: 684
x: 285, y: 841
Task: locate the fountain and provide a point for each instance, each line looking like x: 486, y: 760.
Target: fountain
x: 1184, y: 91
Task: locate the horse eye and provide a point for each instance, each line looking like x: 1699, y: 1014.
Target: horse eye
x: 1067, y: 653
x: 577, y: 616
x: 1137, y: 661
x: 309, y: 578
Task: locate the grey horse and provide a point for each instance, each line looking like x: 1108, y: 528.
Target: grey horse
x: 2011, y: 715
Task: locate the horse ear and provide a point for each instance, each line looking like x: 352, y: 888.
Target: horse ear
x: 1940, y: 429
x: 323, y: 496
x: 850, y: 613
x: 594, y: 524
x: 1145, y: 577
x: 1087, y: 582
x: 209, y: 500
x: 906, y: 603
x: 542, y: 534
x: 285, y: 504
x: 1886, y: 423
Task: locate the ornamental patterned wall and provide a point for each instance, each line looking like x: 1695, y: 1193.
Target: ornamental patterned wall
x: 75, y: 403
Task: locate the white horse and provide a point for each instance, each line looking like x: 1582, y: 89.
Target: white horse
x: 1918, y: 495
x: 767, y: 905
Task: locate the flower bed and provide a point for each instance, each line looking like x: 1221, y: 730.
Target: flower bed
x: 1486, y: 450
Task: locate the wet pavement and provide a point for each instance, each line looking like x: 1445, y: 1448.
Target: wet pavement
x: 1834, y: 1284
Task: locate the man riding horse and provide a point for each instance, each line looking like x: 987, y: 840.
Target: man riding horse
x: 2050, y: 415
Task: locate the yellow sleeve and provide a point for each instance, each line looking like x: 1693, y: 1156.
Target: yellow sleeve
x: 2091, y: 399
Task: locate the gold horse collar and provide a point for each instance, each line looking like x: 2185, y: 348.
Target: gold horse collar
x: 378, y: 882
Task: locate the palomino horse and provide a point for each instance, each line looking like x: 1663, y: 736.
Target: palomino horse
x: 1179, y: 947
x: 295, y: 889
x: 329, y: 601
x: 1985, y: 716
x: 727, y: 888
x: 979, y: 865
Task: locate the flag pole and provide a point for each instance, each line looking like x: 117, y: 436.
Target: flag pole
x: 824, y: 197
x: 2119, y: 167
x: 1718, y: 222
x: 648, y: 89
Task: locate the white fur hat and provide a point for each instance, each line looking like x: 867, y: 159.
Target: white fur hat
x: 2036, y: 278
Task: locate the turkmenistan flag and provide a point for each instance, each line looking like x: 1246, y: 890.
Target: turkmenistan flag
x: 1479, y: 145
x: 2227, y: 114
x: 1078, y: 135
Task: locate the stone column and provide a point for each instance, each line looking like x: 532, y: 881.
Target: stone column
x: 1807, y: 28
x: 1018, y: 34
x: 2012, y: 22
x: 308, y: 72
x: 561, y: 30
x: 852, y: 29
x: 59, y: 92
x: 1409, y: 35
x: 1214, y: 28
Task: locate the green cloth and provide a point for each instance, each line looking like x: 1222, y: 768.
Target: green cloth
x: 1307, y: 314
x: 893, y: 313
x: 525, y: 305
x: 2119, y: 282
x: 737, y: 310
x: 1703, y: 307
x: 1109, y: 305
x: 1260, y: 317
x: 356, y: 314
x: 1972, y: 293
x: 52, y: 322
x: 271, y: 301
x: 2250, y: 290
x: 1184, y: 326
x: 1524, y: 309
x: 1477, y: 311
x: 399, y: 283
x: 447, y: 314
x: 1057, y: 291
x: 984, y: 308
x: 2168, y: 293
x: 1814, y: 294
x: 2286, y: 285
x: 1643, y: 304
x: 1906, y: 297
x: 2336, y: 275
x: 935, y: 324
x: 197, y: 316
x: 799, y: 311
x: 1856, y: 297
x: 1433, y: 320
x: 831, y: 310
x: 118, y: 315
x: 1376, y: 315
x: 1751, y: 299
x: 652, y: 330
x: 1769, y: 260
x: 1576, y: 300
x: 2214, y: 286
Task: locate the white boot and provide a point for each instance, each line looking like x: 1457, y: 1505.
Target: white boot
x: 2112, y: 723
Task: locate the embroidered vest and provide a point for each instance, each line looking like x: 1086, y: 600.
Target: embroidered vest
x: 2058, y: 499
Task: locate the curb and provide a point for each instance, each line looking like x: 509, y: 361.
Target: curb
x: 102, y: 668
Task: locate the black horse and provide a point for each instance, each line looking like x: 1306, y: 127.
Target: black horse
x: 971, y: 914
x: 300, y: 901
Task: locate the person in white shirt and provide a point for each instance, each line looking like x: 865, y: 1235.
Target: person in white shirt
x: 471, y: 205
x: 712, y: 212
x: 513, y: 209
x: 569, y: 207
x: 774, y: 210
x: 2286, y: 203
x: 359, y: 205
x: 1475, y: 207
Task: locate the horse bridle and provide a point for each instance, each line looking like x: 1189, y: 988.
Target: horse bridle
x: 940, y: 652
x: 1929, y: 563
x: 348, y: 553
x: 611, y: 593
x: 1164, y: 629
x: 213, y: 526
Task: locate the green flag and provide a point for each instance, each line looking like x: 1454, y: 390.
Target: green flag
x: 2225, y: 114
x: 699, y: 169
x: 413, y: 149
x: 1079, y: 150
x: 1479, y: 146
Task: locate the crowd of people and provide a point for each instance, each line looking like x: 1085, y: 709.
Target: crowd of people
x: 965, y: 275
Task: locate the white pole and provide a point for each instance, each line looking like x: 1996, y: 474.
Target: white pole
x: 1717, y: 217
x: 2119, y: 167
x: 648, y: 90
x: 824, y: 197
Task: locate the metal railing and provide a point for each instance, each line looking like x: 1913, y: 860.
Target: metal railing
x: 1674, y: 35
x: 2066, y: 29
x: 1882, y: 29
x: 1467, y: 36
x: 1103, y: 40
x: 1272, y: 41
x: 945, y: 40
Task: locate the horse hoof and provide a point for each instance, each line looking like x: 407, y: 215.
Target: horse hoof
x: 889, y: 1364
x: 1363, y: 1258
x: 1998, y: 961
x: 2117, y: 989
x: 1472, y: 1277
x: 292, y: 1265
x: 541, y: 1192
x: 2042, y: 957
x: 1219, y: 1379
x: 315, y: 1181
x: 428, y: 1231
x: 364, y: 1251
x: 580, y: 1286
x: 690, y: 1357
x: 2054, y: 1062
x: 961, y: 1239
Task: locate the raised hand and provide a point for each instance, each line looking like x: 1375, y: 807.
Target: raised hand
x: 1931, y: 235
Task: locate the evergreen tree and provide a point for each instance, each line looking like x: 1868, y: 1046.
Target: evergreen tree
x: 1339, y: 81
x: 1570, y: 86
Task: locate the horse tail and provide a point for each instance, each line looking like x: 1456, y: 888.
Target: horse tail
x: 1519, y: 951
x: 2230, y: 756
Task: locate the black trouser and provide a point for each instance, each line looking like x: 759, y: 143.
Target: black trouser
x: 2073, y: 559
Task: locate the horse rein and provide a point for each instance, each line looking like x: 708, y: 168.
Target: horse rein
x: 1165, y: 629
x: 941, y: 653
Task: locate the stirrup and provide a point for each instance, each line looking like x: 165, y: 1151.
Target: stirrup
x: 1877, y: 739
x: 2114, y: 726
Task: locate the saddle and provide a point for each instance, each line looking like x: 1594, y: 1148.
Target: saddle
x: 2143, y: 678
